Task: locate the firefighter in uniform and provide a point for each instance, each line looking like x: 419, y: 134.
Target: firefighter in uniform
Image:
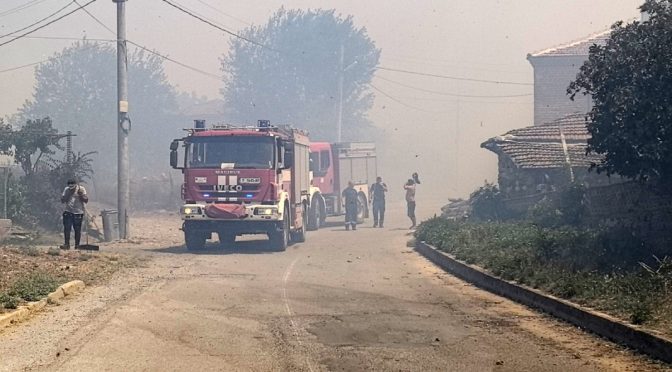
x: 350, y: 202
x: 377, y: 198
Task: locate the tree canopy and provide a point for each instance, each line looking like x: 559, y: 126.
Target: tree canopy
x: 76, y: 88
x: 290, y: 73
x: 630, y: 81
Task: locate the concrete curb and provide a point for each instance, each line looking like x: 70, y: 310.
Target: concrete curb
x: 600, y: 324
x: 27, y: 310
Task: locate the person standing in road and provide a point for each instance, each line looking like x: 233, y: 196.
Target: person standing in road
x: 377, y: 198
x: 74, y: 197
x: 350, y: 203
x: 410, y: 200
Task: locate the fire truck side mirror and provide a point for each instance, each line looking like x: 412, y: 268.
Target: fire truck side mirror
x: 173, y: 154
x: 173, y: 159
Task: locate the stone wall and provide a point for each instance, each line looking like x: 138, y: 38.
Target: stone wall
x: 644, y: 210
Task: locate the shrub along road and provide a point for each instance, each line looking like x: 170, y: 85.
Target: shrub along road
x: 343, y: 300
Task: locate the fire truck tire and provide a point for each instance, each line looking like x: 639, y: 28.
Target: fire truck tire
x: 279, y: 240
x: 194, y: 240
x: 362, y: 206
x: 226, y: 239
x: 316, y: 213
x: 300, y: 235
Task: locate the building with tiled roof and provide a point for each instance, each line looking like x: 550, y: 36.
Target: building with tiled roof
x: 554, y: 69
x: 544, y: 157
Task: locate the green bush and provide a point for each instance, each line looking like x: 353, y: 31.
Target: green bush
x: 608, y: 269
x: 33, y: 287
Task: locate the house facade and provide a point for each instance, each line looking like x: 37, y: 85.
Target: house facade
x: 554, y: 69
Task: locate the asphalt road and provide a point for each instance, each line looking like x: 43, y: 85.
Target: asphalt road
x: 342, y: 301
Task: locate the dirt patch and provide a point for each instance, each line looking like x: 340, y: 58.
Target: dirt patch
x: 17, y: 263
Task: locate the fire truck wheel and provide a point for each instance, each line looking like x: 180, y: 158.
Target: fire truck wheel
x: 361, y: 208
x: 300, y: 235
x: 280, y: 239
x: 315, y: 218
x: 226, y: 239
x: 195, y: 240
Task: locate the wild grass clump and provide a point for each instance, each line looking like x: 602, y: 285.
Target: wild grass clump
x: 31, y: 287
x: 612, y: 270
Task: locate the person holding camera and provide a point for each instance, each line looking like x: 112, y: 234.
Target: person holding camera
x: 74, y: 197
x: 410, y: 197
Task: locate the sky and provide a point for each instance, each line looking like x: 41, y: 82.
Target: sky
x: 435, y: 134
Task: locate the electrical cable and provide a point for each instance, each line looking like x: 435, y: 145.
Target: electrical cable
x: 23, y: 66
x: 453, y: 94
x: 40, y: 21
x: 451, y: 77
x: 96, y: 19
x: 223, y: 13
x: 152, y: 51
x: 218, y: 77
x: 217, y: 26
x: 47, y: 24
x: 19, y: 8
x: 402, y: 102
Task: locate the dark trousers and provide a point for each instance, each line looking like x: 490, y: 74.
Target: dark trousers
x: 72, y: 221
x: 351, y: 214
x: 411, y: 211
x: 378, y: 213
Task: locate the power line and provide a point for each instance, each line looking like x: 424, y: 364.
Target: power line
x: 218, y: 77
x: 154, y: 52
x: 223, y: 13
x: 47, y: 24
x: 96, y: 19
x: 402, y: 102
x: 56, y: 57
x: 158, y: 54
x: 453, y: 94
x: 21, y: 7
x: 23, y: 66
x: 40, y: 21
x: 451, y: 77
x: 217, y: 26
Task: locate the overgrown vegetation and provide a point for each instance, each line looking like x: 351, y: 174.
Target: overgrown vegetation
x: 33, y: 199
x: 628, y: 80
x: 31, y: 287
x: 611, y: 270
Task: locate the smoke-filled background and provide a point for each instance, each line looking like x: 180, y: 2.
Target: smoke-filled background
x: 432, y: 125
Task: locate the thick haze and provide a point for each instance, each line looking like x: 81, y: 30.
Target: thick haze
x: 433, y: 134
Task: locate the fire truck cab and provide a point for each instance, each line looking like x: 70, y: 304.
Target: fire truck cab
x: 243, y: 180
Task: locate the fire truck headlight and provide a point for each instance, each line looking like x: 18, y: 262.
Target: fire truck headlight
x: 191, y: 210
x: 265, y: 211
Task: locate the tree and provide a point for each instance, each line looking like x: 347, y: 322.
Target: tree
x: 77, y: 89
x: 630, y: 81
x: 28, y: 144
x: 291, y: 73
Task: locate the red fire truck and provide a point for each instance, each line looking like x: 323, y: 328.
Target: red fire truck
x: 243, y: 180
x: 332, y: 166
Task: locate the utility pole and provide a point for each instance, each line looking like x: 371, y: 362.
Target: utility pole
x: 341, y: 72
x: 341, y: 77
x: 124, y: 123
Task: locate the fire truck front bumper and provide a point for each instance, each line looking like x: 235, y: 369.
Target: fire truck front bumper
x: 230, y: 212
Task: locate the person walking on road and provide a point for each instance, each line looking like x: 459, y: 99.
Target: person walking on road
x: 350, y: 203
x: 74, y: 197
x: 410, y: 200
x: 377, y: 198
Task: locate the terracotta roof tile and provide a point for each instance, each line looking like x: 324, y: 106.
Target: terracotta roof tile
x: 540, y: 146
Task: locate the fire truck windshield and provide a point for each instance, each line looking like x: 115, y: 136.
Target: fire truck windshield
x: 251, y: 152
